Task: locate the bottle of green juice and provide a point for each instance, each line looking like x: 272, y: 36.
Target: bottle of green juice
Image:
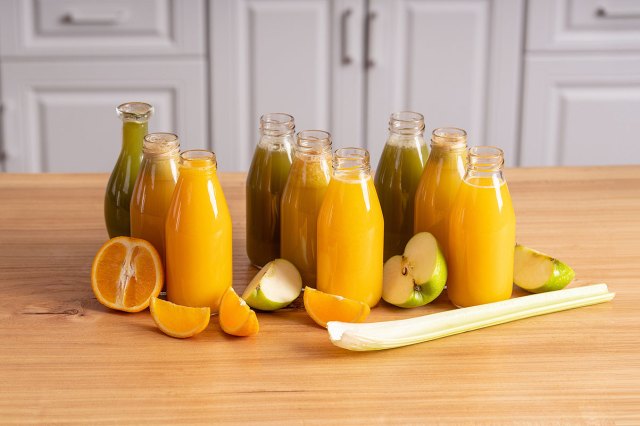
x: 135, y: 117
x: 397, y: 178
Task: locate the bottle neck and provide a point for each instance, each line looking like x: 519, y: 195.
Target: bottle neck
x: 449, y: 140
x: 133, y: 134
x: 485, y: 166
x: 198, y: 162
x: 313, y: 145
x: 351, y: 164
x: 406, y: 128
x: 277, y: 131
x: 160, y: 146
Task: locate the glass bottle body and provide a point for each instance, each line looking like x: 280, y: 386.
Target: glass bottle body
x: 154, y: 188
x: 265, y: 184
x: 198, y: 235
x: 481, y: 233
x: 301, y: 200
x: 397, y: 177
x: 440, y: 182
x: 135, y: 116
x: 351, y: 231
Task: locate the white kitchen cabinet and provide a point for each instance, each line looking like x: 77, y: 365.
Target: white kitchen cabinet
x: 345, y: 67
x: 60, y: 117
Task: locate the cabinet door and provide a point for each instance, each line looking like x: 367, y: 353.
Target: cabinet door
x: 302, y: 57
x: 458, y: 62
x: 581, y: 111
x: 60, y: 117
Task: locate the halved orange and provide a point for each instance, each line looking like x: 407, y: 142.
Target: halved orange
x: 126, y: 273
x: 177, y: 320
x: 324, y: 307
x: 236, y: 317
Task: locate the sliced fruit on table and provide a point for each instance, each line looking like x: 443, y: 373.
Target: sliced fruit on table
x: 126, y: 273
x: 537, y: 272
x: 275, y: 286
x: 177, y: 320
x: 236, y: 317
x: 324, y: 307
x: 416, y: 277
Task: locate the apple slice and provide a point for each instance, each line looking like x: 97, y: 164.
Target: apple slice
x: 418, y: 276
x: 538, y: 273
x: 275, y: 286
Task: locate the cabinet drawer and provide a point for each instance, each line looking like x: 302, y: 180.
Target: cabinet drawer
x: 581, y: 111
x: 101, y: 28
x: 595, y: 25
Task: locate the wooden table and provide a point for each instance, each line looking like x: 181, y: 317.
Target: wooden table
x: 66, y: 358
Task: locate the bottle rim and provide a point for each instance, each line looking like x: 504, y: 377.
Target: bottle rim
x: 406, y: 123
x: 449, y: 137
x: 139, y: 112
x: 160, y: 143
x: 313, y: 142
x: 277, y: 124
x: 486, y: 158
x: 351, y: 159
x: 198, y: 159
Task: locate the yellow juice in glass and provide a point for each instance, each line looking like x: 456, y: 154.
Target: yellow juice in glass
x: 154, y: 188
x: 481, y: 233
x: 301, y: 200
x: 198, y: 235
x: 439, y: 184
x: 351, y: 231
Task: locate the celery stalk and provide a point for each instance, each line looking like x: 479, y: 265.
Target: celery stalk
x: 393, y: 334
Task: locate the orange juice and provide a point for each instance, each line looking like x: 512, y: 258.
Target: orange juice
x: 439, y: 183
x: 154, y: 188
x: 198, y: 235
x: 351, y: 231
x: 481, y: 233
x: 301, y: 200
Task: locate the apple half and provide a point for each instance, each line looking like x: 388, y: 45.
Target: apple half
x: 275, y: 286
x: 537, y: 272
x: 417, y: 276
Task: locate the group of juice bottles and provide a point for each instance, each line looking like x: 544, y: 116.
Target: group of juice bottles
x: 173, y: 200
x: 324, y: 213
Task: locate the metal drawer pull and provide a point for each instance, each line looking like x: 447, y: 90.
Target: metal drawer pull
x: 77, y: 18
x: 369, y: 62
x: 602, y: 12
x: 345, y: 59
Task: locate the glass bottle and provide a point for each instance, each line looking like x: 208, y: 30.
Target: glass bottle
x: 351, y: 231
x: 154, y: 188
x: 481, y: 233
x: 198, y: 235
x: 303, y: 193
x: 440, y: 182
x: 135, y: 117
x: 265, y: 182
x: 397, y: 177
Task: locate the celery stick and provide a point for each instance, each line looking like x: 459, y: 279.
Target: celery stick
x: 393, y: 334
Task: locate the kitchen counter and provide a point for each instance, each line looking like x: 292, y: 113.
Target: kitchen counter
x: 66, y: 358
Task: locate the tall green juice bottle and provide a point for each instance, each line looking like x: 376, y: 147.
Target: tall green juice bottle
x: 397, y: 178
x: 135, y: 118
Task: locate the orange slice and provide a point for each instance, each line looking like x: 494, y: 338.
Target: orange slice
x: 325, y: 307
x: 177, y: 320
x: 126, y: 273
x: 236, y: 317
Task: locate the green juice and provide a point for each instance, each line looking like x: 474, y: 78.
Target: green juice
x: 396, y: 180
x: 123, y: 178
x: 265, y: 184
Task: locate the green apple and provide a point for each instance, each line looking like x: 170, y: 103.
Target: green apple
x: 418, y: 276
x: 275, y: 286
x: 537, y: 273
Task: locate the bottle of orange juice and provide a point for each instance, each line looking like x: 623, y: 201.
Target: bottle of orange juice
x: 198, y: 235
x: 481, y: 233
x: 154, y: 188
x: 397, y: 177
x: 351, y: 231
x: 440, y: 182
x: 301, y: 200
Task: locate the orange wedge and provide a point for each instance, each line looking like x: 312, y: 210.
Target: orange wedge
x: 177, y: 320
x: 126, y: 273
x: 236, y: 317
x: 325, y: 307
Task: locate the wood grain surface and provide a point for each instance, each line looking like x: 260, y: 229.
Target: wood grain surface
x: 64, y: 358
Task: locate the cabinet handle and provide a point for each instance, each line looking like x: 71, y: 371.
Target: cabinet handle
x: 74, y: 17
x: 604, y: 13
x: 368, y: 57
x: 345, y: 59
x: 3, y: 153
